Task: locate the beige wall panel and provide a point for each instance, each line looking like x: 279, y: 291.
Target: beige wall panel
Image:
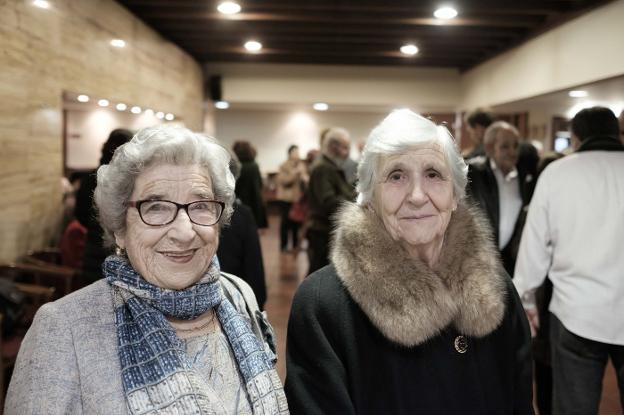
x: 66, y: 48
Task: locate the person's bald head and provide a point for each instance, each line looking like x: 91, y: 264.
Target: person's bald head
x: 336, y: 143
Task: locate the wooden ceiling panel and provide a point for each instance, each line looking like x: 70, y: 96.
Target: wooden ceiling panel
x: 355, y: 32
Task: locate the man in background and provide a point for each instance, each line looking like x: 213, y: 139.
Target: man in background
x: 328, y: 188
x: 573, y: 234
x: 477, y: 122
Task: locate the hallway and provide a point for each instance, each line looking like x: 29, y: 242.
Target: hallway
x: 284, y: 272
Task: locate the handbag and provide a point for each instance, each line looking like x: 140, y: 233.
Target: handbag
x: 299, y: 210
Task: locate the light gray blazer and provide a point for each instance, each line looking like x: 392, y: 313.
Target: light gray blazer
x: 68, y: 361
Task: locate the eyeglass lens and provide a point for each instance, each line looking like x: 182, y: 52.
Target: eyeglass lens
x: 159, y: 212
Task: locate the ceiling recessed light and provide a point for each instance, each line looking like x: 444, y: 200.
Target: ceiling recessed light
x: 103, y: 103
x: 160, y: 115
x: 229, y: 7
x: 253, y: 46
x: 42, y: 4
x: 320, y: 106
x: 445, y: 13
x: 149, y: 112
x: 222, y: 105
x: 135, y: 110
x: 121, y: 106
x: 169, y: 117
x: 118, y: 43
x: 577, y: 94
x: 83, y: 98
x: 409, y: 49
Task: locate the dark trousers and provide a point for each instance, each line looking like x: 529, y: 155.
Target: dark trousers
x: 543, y: 387
x: 318, y: 249
x: 578, y: 370
x: 287, y: 226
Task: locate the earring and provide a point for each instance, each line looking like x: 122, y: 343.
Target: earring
x: 120, y: 251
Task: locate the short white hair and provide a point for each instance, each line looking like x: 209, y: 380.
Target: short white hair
x: 163, y: 144
x: 399, y: 132
x: 332, y: 135
x: 491, y: 133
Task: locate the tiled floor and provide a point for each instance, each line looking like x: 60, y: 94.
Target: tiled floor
x: 284, y: 272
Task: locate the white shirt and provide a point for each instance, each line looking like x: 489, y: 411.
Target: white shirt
x: 509, y: 203
x: 574, y: 233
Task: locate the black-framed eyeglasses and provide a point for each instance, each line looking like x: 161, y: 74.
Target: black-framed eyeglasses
x: 164, y: 212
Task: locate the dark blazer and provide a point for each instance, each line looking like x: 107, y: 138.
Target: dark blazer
x: 363, y: 372
x: 240, y: 253
x: 483, y: 190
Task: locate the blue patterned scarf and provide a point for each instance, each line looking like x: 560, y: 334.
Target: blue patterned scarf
x: 157, y: 375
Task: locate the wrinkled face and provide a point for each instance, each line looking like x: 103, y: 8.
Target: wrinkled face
x: 341, y: 148
x: 414, y: 197
x: 177, y: 255
x: 505, y: 150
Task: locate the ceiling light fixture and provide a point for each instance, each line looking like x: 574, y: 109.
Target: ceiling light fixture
x: 121, y: 106
x: 103, y: 103
x: 253, y: 46
x: 118, y: 43
x: 169, y: 117
x: 222, y: 105
x: 135, y: 110
x: 409, y: 49
x: 577, y: 94
x: 160, y: 115
x: 42, y: 4
x: 83, y: 98
x: 320, y: 106
x: 229, y: 7
x: 445, y: 13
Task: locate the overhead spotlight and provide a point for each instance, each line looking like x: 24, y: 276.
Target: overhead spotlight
x: 445, y: 13
x: 83, y: 98
x: 149, y: 112
x: 121, y: 106
x: 222, y: 105
x: 103, y: 103
x: 253, y: 46
x: 409, y: 49
x: 577, y: 94
x: 135, y: 110
x: 229, y: 7
x: 42, y: 4
x: 160, y: 115
x: 320, y: 106
x: 169, y: 117
x: 118, y: 43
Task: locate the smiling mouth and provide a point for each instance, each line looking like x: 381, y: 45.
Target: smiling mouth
x: 417, y: 217
x: 180, y: 257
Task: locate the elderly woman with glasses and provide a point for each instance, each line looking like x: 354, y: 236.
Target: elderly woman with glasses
x: 165, y: 332
x: 415, y: 315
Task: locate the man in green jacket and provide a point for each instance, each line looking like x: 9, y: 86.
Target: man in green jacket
x: 327, y: 189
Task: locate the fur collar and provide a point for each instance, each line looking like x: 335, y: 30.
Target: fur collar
x: 405, y: 299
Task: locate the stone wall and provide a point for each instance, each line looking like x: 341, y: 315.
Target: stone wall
x: 44, y: 52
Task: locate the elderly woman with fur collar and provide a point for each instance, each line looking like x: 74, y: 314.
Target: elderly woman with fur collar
x: 416, y: 313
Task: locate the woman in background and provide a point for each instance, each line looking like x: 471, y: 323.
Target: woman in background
x: 249, y: 185
x: 291, y: 181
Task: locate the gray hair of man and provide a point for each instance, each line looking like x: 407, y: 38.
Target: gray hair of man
x: 163, y: 144
x: 331, y: 136
x: 400, y: 132
x: 491, y: 133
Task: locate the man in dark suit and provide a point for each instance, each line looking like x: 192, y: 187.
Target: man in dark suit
x: 498, y: 187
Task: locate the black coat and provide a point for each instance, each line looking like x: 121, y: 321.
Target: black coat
x: 380, y: 332
x: 346, y: 366
x: 240, y: 253
x: 249, y: 191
